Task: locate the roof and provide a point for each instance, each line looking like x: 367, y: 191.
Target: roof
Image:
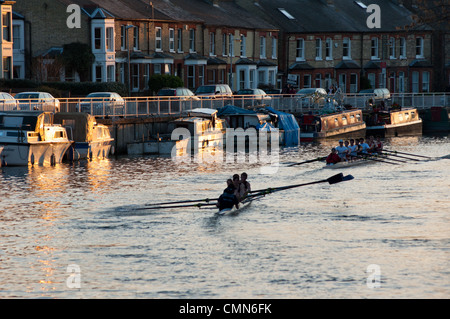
x: 347, y: 64
x: 234, y: 110
x: 308, y: 16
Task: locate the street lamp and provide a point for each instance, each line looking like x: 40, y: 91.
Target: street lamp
x: 129, y: 26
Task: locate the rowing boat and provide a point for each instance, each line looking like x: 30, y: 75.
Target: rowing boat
x: 233, y: 211
x: 359, y: 161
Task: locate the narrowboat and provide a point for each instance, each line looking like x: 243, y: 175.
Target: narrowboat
x: 31, y: 138
x: 348, y: 123
x: 435, y: 120
x: 394, y: 122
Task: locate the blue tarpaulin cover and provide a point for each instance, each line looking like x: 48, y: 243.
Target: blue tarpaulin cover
x: 288, y: 123
x: 233, y: 110
x: 265, y: 127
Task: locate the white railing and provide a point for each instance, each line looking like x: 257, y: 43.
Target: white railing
x: 154, y: 106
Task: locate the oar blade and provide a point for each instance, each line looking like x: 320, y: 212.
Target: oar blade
x: 335, y: 179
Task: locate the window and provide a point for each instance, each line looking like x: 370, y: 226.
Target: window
x: 300, y: 54
x: 392, y: 48
x: 401, y: 82
x: 241, y: 79
x: 252, y: 79
x: 171, y: 40
x: 135, y: 76
x: 318, y: 49
x: 201, y: 75
x: 372, y: 79
x: 374, y: 48
x: 306, y: 81
x: 16, y: 37
x: 7, y: 26
x: 343, y: 82
x: 231, y: 44
x: 318, y: 80
x: 136, y: 38
x: 98, y: 38
x: 274, y: 48
x: 7, y: 67
x: 98, y: 73
x: 261, y: 77
x: 110, y: 76
x: 353, y: 83
x: 191, y: 76
x: 110, y: 39
x: 157, y: 68
x: 415, y: 82
x: 192, y: 40
x: 329, y: 49
x: 243, y: 46
x: 328, y: 80
x: 286, y: 14
x: 262, y: 47
x: 123, y: 37
x: 346, y: 48
x: 402, y: 48
x: 419, y: 47
x: 272, y: 77
x: 224, y: 45
x: 425, y: 81
x: 158, y: 41
x: 180, y: 40
x: 212, y: 43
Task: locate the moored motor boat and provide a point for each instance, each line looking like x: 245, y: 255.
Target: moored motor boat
x: 31, y: 137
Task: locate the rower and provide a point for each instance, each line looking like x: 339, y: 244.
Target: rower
x: 228, y: 199
x: 333, y: 158
x: 244, y: 187
x: 371, y: 144
x: 364, y: 146
x: 237, y: 184
x: 353, y: 148
x: 342, y: 150
x: 378, y: 145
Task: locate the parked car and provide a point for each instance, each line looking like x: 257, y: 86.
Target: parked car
x: 312, y: 96
x: 42, y: 101
x: 7, y: 102
x: 377, y: 96
x: 102, y: 103
x: 214, y: 91
x: 273, y: 91
x: 184, y: 94
x: 252, y: 97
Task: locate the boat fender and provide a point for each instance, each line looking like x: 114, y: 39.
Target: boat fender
x: 32, y: 159
x: 53, y: 160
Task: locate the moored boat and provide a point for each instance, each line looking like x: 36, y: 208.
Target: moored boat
x: 91, y: 139
x: 31, y: 137
x: 394, y: 122
x: 348, y: 123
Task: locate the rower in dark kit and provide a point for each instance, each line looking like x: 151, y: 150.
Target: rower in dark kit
x: 228, y: 199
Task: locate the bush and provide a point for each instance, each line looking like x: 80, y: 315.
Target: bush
x: 159, y: 81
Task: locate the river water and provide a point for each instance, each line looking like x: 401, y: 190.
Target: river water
x: 76, y: 230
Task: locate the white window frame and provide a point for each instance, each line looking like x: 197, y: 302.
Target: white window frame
x: 274, y: 48
x: 110, y: 39
x: 135, y: 38
x: 402, y: 48
x: 392, y: 49
x: 401, y: 82
x: 158, y: 39
x: 224, y: 44
x: 231, y: 44
x: 374, y: 48
x: 426, y: 81
x: 123, y: 37
x: 262, y: 47
x: 243, y: 46
x: 171, y: 39
x: 318, y: 49
x: 347, y: 44
x: 415, y: 82
x: 180, y: 40
x: 329, y: 49
x: 300, y: 50
x: 98, y: 37
x: 420, y: 47
x: 354, y: 86
x: 307, y: 81
x: 212, y: 44
x: 192, y: 40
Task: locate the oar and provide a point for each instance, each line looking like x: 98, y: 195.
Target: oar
x: 409, y: 158
x: 199, y: 205
x: 387, y: 158
x: 309, y: 161
x: 397, y: 152
x: 331, y: 180
x: 207, y: 200
x: 369, y: 158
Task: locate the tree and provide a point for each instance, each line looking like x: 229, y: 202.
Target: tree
x: 159, y: 81
x: 78, y: 57
x: 434, y: 13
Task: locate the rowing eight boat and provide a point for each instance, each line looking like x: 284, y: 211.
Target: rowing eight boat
x: 234, y: 210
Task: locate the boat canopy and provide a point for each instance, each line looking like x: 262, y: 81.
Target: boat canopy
x: 288, y: 123
x: 202, y: 112
x: 80, y: 126
x: 234, y: 110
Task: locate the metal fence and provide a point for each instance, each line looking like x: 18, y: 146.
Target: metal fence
x: 155, y: 106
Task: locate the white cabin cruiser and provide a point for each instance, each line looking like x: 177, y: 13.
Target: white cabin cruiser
x: 30, y: 137
x: 91, y: 139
